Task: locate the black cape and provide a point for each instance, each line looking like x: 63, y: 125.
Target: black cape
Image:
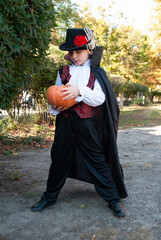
x: 108, y: 117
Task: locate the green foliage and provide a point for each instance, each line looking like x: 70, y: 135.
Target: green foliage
x: 130, y: 89
x: 136, y: 116
x: 1, y: 127
x: 45, y: 76
x: 156, y: 93
x: 30, y: 194
x: 7, y: 124
x: 7, y: 153
x: 117, y: 83
x: 15, y: 176
x: 155, y: 114
x: 127, y: 52
x: 140, y: 102
x: 25, y: 34
x: 66, y: 15
x: 30, y: 135
x: 83, y: 206
x: 141, y: 88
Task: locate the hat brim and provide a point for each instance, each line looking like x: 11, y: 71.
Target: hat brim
x: 64, y: 48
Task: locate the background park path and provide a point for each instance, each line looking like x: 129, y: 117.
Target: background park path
x: 80, y: 214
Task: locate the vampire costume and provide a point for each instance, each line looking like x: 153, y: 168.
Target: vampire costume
x: 85, y: 145
x: 107, y: 120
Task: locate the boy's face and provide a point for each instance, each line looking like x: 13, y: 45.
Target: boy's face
x: 79, y: 57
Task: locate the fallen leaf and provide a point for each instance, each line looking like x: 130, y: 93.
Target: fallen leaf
x: 155, y: 226
x: 148, y: 165
x: 93, y: 237
x: 83, y: 206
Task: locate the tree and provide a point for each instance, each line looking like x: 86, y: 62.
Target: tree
x: 66, y: 16
x: 117, y: 83
x: 125, y: 49
x: 152, y: 76
x: 46, y: 75
x: 127, y: 53
x: 156, y: 28
x: 25, y: 34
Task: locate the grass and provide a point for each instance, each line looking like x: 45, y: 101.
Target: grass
x: 140, y: 116
x: 15, y: 176
x: 110, y: 233
x: 29, y: 194
x: 25, y: 137
x: 10, y: 144
x: 17, y: 137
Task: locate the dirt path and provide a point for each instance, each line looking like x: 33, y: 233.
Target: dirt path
x: 80, y: 214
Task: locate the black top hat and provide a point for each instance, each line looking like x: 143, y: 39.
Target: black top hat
x: 76, y: 39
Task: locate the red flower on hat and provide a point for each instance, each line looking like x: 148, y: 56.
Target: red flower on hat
x: 80, y: 40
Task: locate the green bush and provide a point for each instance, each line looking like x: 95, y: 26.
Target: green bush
x: 156, y: 93
x: 140, y: 102
x: 127, y: 103
x: 25, y: 34
x: 7, y: 124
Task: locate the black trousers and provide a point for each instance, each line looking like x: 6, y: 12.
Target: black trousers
x: 72, y: 132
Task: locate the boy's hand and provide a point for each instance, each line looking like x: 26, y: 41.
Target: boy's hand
x: 71, y: 91
x: 59, y: 108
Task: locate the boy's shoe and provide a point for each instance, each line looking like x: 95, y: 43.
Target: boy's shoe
x: 41, y: 205
x: 118, y: 210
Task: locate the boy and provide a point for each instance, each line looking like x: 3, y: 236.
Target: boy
x: 84, y: 146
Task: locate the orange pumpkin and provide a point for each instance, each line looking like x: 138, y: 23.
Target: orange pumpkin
x: 53, y: 96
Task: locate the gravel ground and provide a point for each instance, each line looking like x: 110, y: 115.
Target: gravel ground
x: 80, y: 213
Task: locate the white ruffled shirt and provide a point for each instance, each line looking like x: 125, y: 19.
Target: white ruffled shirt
x: 80, y: 77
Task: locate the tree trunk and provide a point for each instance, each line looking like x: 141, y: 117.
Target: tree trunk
x: 138, y: 95
x: 121, y: 100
